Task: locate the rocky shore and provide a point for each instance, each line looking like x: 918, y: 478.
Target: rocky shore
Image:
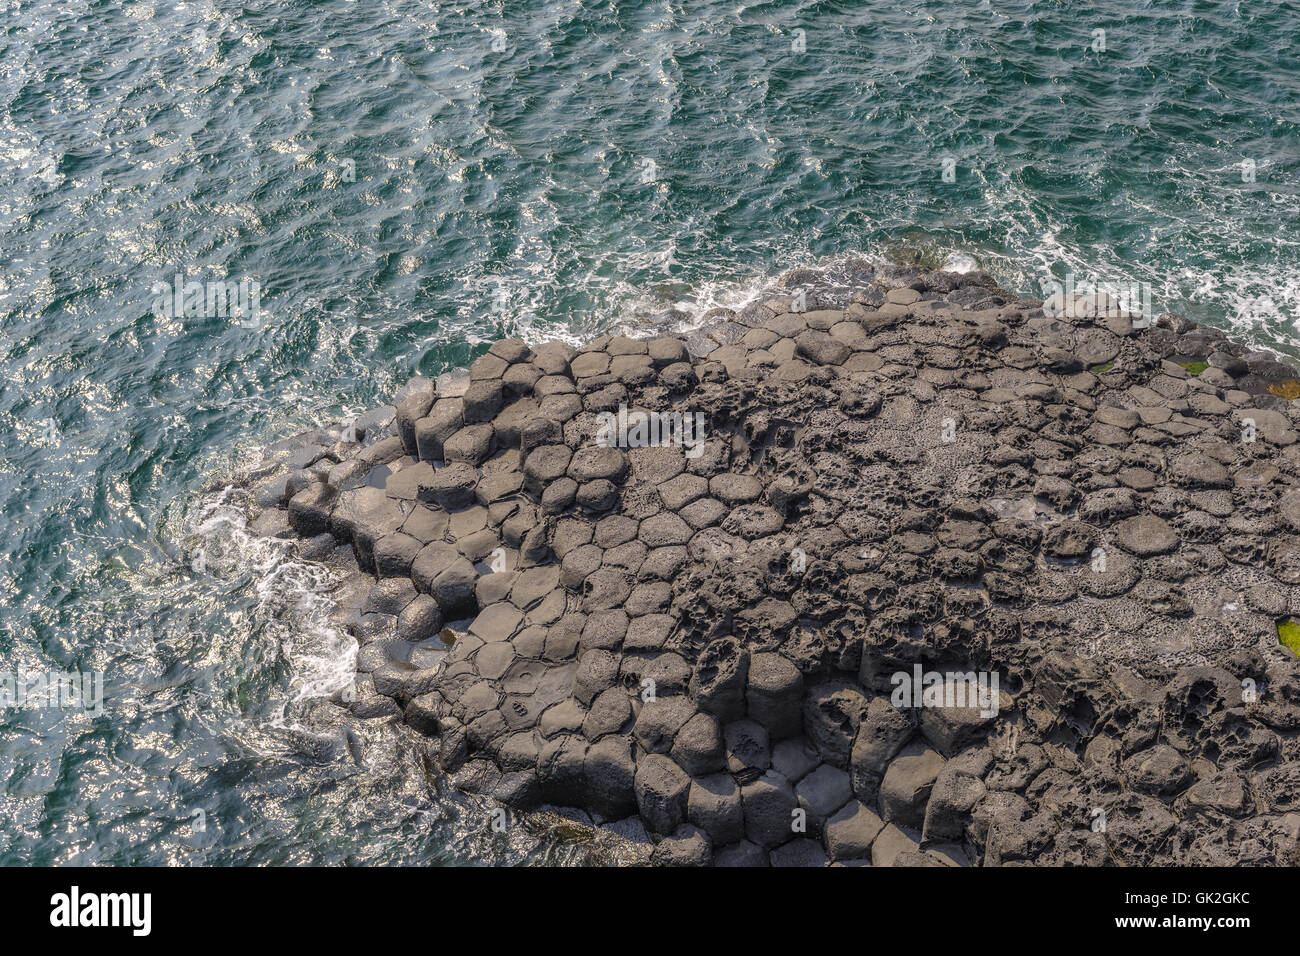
x: 889, y: 567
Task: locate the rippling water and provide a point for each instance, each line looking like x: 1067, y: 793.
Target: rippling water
x: 403, y: 181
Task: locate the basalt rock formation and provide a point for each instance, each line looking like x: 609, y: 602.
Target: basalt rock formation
x: 915, y: 474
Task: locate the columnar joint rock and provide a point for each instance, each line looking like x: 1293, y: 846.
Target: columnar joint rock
x: 947, y: 577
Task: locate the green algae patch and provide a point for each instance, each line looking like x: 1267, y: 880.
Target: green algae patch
x: 1288, y: 634
x: 1195, y: 367
x: 1103, y: 367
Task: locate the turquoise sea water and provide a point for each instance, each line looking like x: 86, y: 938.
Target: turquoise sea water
x: 404, y: 181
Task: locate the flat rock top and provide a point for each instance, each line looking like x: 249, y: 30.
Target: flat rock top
x: 691, y: 575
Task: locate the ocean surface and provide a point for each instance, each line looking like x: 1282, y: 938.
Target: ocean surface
x: 391, y: 184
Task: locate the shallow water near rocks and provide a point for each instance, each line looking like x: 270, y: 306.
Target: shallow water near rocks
x: 495, y: 193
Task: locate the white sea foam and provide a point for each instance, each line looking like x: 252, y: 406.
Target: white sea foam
x: 293, y: 596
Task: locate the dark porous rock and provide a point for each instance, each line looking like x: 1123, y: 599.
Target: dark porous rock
x: 956, y: 790
x: 832, y: 713
x: 512, y: 350
x: 821, y: 348
x: 741, y: 854
x: 718, y: 681
x: 698, y: 747
x: 309, y: 509
x: 1278, y: 789
x: 1225, y: 794
x: 798, y: 852
x: 1137, y: 828
x: 561, y: 770
x: 419, y: 399
x: 597, y: 672
x: 598, y: 496
x: 667, y: 351
x: 659, y: 721
x: 950, y: 727
x: 450, y: 488
x: 543, y: 464
x: 661, y: 791
x: 749, y: 751
x: 559, y: 494
x: 905, y: 789
x: 471, y: 444
x: 1160, y: 770
x: 453, y: 588
x: 849, y: 834
x: 685, y: 846
x: 882, y: 733
x: 422, y: 712
x: 375, y: 706
x: 419, y: 620
x: 444, y: 419
x: 609, y: 771
x: 794, y: 758
x: 821, y: 794
x: 590, y: 464
x: 317, y: 548
x: 1146, y: 535
x: 769, y: 806
x: 394, y: 555
x: 1069, y: 539
x: 774, y: 695
x: 272, y: 524
x: 482, y: 400
x: 692, y: 631
x: 390, y: 596
x: 713, y: 804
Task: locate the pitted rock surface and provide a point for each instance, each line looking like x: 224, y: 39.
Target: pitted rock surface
x: 700, y: 640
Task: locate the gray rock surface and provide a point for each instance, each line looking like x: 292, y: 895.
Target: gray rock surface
x: 715, y: 634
